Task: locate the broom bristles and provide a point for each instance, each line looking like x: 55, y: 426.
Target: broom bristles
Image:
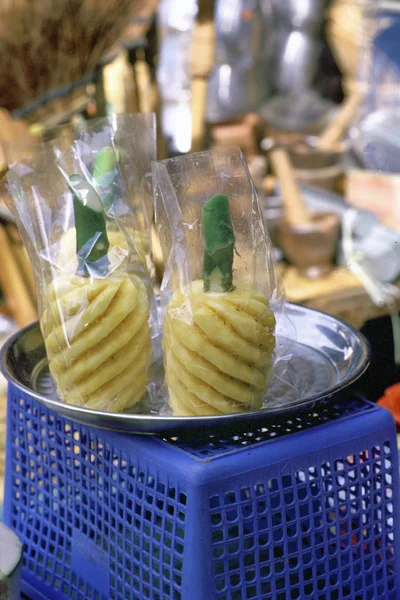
x: 49, y: 44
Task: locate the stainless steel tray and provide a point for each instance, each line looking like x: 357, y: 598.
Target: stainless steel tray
x: 326, y: 356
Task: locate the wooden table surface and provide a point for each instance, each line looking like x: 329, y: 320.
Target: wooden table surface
x: 340, y: 294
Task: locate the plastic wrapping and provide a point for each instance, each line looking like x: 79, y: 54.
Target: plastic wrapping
x: 97, y: 309
x: 218, y: 346
x: 375, y: 135
x: 378, y: 72
x: 133, y: 137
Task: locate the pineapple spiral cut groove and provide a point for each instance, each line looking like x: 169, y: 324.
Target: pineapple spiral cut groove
x: 98, y: 340
x: 218, y: 358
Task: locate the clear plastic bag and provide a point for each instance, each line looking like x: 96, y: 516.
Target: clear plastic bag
x: 133, y: 136
x: 97, y: 308
x: 134, y: 140
x: 220, y: 291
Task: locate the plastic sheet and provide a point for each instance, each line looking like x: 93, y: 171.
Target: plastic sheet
x: 218, y: 335
x: 97, y: 309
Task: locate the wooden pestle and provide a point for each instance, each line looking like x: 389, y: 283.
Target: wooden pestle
x: 295, y: 209
x: 336, y: 128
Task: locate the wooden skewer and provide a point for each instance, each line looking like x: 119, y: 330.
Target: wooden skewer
x: 296, y: 211
x: 13, y: 286
x: 335, y: 130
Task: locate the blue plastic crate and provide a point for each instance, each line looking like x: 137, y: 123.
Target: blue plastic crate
x: 302, y: 509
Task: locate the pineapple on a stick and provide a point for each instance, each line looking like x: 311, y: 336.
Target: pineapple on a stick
x: 95, y: 326
x: 217, y: 352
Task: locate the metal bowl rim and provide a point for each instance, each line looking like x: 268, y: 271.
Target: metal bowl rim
x: 177, y: 422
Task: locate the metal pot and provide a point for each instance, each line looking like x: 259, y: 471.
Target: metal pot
x: 234, y: 90
x: 237, y: 36
x: 307, y: 15
x: 244, y: 45
x: 297, y: 57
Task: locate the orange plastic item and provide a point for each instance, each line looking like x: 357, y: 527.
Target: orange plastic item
x: 391, y: 401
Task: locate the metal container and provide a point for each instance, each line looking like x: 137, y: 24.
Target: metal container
x: 297, y: 57
x: 242, y: 30
x: 307, y: 15
x: 326, y: 356
x: 235, y: 89
x: 8, y: 328
x: 240, y: 80
x: 298, y: 42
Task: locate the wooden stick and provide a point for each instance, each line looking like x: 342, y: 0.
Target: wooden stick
x: 199, y: 104
x: 145, y: 88
x: 13, y: 286
x: 296, y: 212
x: 21, y: 257
x: 202, y: 49
x: 12, y: 130
x: 335, y: 130
x: 201, y: 63
x: 5, y: 309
